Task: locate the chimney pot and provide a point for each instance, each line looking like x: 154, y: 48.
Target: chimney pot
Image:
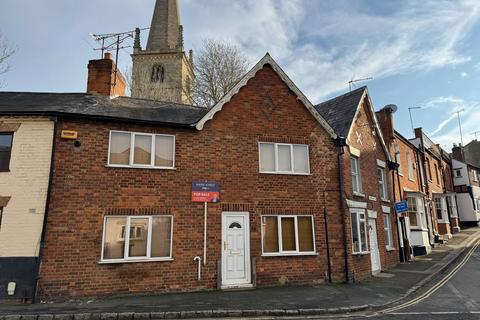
x: 108, y: 56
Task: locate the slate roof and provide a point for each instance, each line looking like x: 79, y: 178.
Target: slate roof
x: 340, y: 111
x: 85, y: 105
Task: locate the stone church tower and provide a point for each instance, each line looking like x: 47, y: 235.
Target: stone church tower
x: 163, y: 71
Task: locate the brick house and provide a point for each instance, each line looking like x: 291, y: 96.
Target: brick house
x: 438, y: 199
x: 365, y: 183
x: 467, y: 186
x: 121, y: 220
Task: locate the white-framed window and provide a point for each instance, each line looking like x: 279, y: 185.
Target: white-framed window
x: 475, y: 175
x: 359, y: 231
x: 356, y: 176
x: 283, y: 158
x: 458, y: 173
x: 141, y: 150
x: 387, y: 227
x: 410, y: 166
x: 452, y: 205
x: 149, y: 238
x: 413, y: 212
x: 396, y: 151
x: 382, y: 183
x: 288, y: 235
x: 440, y: 207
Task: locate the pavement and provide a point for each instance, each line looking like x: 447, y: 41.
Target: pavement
x: 387, y: 288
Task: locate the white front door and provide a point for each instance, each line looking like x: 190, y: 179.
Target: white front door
x: 374, y: 253
x: 235, y: 249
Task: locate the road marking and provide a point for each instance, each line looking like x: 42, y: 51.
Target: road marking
x: 433, y: 313
x: 437, y: 286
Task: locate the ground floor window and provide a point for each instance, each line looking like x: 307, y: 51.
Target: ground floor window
x: 132, y: 238
x: 416, y: 211
x: 440, y: 207
x: 287, y: 235
x: 387, y: 227
x: 359, y: 231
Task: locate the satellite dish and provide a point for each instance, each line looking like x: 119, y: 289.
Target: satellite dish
x: 392, y: 107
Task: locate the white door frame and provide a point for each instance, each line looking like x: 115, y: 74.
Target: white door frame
x: 247, y: 282
x: 372, y: 220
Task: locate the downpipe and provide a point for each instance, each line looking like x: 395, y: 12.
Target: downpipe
x: 199, y: 269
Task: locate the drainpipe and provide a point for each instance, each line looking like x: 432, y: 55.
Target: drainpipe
x: 341, y: 142
x: 393, y: 166
x: 327, y: 240
x: 47, y: 204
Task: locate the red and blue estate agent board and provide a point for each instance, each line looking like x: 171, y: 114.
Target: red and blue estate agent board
x: 205, y: 191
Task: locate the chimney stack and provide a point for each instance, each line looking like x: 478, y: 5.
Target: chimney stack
x: 385, y: 119
x: 104, y: 78
x: 457, y: 153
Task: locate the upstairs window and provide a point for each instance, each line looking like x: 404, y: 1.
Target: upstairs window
x: 1, y: 214
x: 475, y: 175
x: 396, y: 150
x: 356, y: 177
x: 458, y: 173
x: 410, y: 166
x: 143, y: 150
x: 284, y: 158
x: 5, y: 150
x: 382, y: 183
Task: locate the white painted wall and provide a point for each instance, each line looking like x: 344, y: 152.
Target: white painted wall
x: 27, y: 185
x: 463, y: 179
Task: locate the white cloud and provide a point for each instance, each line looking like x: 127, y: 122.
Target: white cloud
x: 447, y: 132
x: 322, y: 45
x: 463, y: 74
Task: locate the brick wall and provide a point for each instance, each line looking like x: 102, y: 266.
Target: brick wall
x: 371, y: 150
x: 226, y: 150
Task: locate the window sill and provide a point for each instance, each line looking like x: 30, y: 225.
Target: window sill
x: 390, y: 249
x: 289, y: 254
x: 364, y: 253
x: 386, y: 200
x: 400, y: 174
x: 418, y: 229
x: 133, y: 260
x: 358, y: 194
x: 139, y: 167
x: 411, y: 180
x: 286, y: 173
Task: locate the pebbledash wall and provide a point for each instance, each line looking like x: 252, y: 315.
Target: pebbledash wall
x: 365, y: 143
x: 23, y: 194
x: 85, y: 189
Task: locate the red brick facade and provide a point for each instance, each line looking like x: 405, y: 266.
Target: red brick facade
x: 364, y: 138
x: 84, y: 190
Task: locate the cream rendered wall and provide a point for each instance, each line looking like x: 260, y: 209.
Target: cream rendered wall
x: 27, y: 185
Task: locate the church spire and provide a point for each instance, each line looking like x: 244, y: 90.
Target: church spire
x: 165, y: 28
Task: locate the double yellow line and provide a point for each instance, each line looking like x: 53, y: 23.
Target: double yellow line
x: 437, y: 286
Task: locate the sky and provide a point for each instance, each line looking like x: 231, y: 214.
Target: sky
x: 422, y: 53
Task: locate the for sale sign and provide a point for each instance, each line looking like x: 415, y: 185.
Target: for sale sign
x: 205, y: 191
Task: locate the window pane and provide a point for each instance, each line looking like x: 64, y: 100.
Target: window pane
x: 270, y: 234
x: 300, y: 158
x: 267, y: 157
x: 363, y: 235
x: 5, y: 150
x: 143, y: 152
x: 305, y: 234
x: 164, y: 146
x: 120, y: 148
x: 284, y: 158
x: 114, y: 238
x: 355, y: 237
x: 288, y: 234
x: 161, y: 236
x: 137, y: 246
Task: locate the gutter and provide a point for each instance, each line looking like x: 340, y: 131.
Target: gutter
x: 341, y: 142
x: 47, y: 205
